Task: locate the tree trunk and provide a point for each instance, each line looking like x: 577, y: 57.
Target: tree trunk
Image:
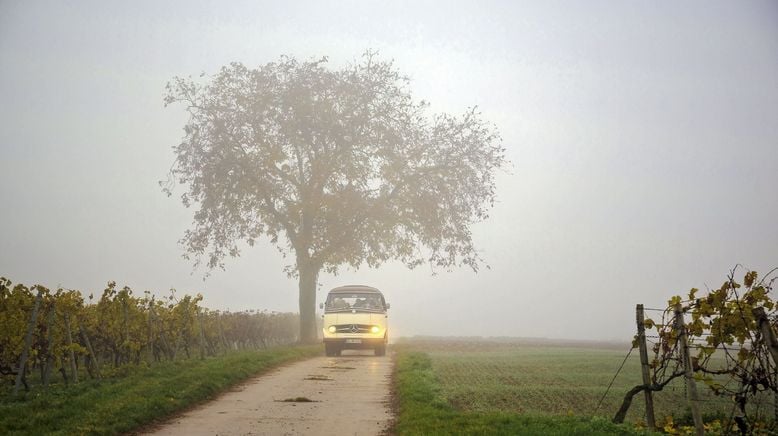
x: 307, y: 285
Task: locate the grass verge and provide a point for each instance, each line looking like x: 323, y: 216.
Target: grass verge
x: 142, y: 396
x: 423, y: 410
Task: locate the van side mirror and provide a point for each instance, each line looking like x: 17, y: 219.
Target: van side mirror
x: 321, y: 305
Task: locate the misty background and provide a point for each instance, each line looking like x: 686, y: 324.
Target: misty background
x: 643, y: 139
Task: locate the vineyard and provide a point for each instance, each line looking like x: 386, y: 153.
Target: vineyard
x: 47, y: 335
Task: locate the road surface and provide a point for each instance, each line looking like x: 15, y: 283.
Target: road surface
x: 347, y: 395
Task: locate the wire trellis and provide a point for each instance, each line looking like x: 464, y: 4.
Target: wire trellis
x: 726, y: 351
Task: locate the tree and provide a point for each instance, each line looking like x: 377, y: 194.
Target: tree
x: 336, y: 166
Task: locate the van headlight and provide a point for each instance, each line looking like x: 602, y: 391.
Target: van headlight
x: 375, y: 329
x: 331, y: 329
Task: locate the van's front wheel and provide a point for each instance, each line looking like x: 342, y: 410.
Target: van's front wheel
x: 380, y: 350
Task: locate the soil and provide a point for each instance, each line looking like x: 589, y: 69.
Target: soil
x: 347, y: 395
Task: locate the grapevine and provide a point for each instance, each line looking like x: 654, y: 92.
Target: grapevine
x: 731, y: 332
x: 73, y: 336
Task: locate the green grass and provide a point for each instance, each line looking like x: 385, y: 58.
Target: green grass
x: 556, y: 379
x: 424, y: 409
x: 140, y: 397
x: 534, y: 380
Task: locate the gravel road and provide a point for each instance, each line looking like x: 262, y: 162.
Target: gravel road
x: 347, y: 395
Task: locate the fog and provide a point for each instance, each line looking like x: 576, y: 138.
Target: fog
x: 643, y: 140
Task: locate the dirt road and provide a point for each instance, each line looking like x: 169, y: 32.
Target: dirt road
x: 347, y: 395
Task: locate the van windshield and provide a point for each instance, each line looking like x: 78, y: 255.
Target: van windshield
x: 361, y: 302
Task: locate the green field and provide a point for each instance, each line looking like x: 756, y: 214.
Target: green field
x: 550, y: 379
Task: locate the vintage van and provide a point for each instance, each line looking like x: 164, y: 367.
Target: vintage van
x: 355, y: 318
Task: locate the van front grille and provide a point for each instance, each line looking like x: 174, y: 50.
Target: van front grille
x: 353, y: 328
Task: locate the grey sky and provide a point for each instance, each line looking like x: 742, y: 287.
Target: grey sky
x: 643, y: 137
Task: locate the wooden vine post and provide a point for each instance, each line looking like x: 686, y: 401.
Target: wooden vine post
x: 171, y: 353
x: 69, y: 337
x: 691, y: 386
x: 640, y: 319
x: 202, y: 334
x: 49, y: 362
x: 768, y: 335
x: 150, y: 329
x: 770, y: 341
x: 92, y: 355
x: 125, y: 354
x: 221, y: 331
x: 27, y: 342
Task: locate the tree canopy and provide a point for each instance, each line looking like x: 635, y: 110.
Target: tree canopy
x: 336, y: 166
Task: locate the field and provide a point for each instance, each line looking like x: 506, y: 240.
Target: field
x: 552, y: 379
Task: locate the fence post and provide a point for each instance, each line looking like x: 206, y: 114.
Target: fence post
x: 27, y: 342
x: 680, y: 326
x: 640, y: 319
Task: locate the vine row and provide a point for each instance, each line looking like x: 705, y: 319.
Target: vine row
x: 46, y: 334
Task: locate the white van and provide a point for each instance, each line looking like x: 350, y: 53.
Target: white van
x: 355, y: 318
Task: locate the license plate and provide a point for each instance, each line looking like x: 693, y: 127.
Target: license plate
x: 353, y: 341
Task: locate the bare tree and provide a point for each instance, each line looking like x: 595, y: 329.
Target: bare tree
x: 337, y: 166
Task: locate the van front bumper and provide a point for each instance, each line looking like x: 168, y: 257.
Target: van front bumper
x: 355, y: 343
